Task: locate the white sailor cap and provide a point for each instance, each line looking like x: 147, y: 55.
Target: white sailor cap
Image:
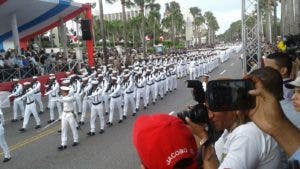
x: 85, y: 78
x: 205, y: 75
x: 15, y: 80
x: 139, y: 73
x: 95, y: 82
x: 85, y: 74
x: 148, y: 70
x: 72, y: 76
x: 100, y: 75
x: 52, y: 77
x: 64, y: 88
x: 99, y: 70
x: 126, y: 75
x: 113, y: 78
x: 123, y: 67
x: 51, y: 74
x: 126, y: 70
x: 93, y: 67
x: 66, y: 81
x: 26, y: 83
x: 34, y: 77
x: 68, y: 73
x: 114, y: 72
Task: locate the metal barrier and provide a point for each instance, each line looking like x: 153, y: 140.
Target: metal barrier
x: 26, y: 72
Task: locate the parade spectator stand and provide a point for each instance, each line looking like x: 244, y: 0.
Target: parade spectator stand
x: 20, y: 24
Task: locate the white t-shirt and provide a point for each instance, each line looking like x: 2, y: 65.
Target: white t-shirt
x: 247, y: 147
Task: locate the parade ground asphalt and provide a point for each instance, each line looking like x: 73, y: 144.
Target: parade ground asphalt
x: 37, y: 149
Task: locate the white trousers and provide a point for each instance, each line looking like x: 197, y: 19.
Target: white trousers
x: 68, y: 118
x: 106, y: 102
x: 140, y: 92
x: 193, y: 73
x: 78, y: 104
x: 97, y: 110
x: 3, y: 143
x: 129, y: 100
x: 31, y: 108
x: 115, y: 103
x: 52, y: 106
x: 174, y: 82
x: 85, y: 104
x: 150, y: 90
x: 38, y: 99
x: 18, y: 104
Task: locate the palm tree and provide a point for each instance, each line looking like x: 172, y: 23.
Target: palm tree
x: 154, y: 16
x: 142, y: 4
x: 212, y: 25
x: 198, y: 20
x: 173, y: 19
x: 128, y: 4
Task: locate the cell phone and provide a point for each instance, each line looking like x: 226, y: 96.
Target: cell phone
x: 230, y: 95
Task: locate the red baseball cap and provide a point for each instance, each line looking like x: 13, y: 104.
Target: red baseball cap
x: 162, y: 140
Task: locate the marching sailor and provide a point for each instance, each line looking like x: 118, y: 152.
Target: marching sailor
x: 53, y: 93
x: 129, y: 95
x: 36, y: 86
x: 115, y: 101
x: 17, y: 91
x: 3, y: 143
x: 86, y: 90
x: 68, y: 117
x: 30, y: 108
x: 97, y: 108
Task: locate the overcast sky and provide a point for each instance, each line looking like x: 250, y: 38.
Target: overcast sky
x: 226, y: 11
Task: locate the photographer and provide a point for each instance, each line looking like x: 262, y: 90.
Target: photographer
x: 242, y: 144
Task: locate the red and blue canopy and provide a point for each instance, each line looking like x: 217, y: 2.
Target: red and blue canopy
x: 35, y: 16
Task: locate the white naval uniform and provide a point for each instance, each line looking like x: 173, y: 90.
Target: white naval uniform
x: 17, y: 91
x: 105, y: 96
x: 30, y: 107
x: 68, y: 117
x: 140, y: 91
x: 36, y: 86
x: 3, y: 143
x: 157, y: 84
x: 53, y: 96
x: 129, y: 96
x: 115, y: 102
x: 74, y: 91
x: 97, y: 109
x: 163, y: 79
x: 87, y: 91
x: 150, y: 88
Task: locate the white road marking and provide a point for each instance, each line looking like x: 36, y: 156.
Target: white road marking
x: 223, y: 72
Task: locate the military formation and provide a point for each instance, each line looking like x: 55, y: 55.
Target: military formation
x: 107, y: 91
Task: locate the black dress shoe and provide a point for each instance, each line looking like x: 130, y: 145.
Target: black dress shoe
x: 145, y: 107
x: 50, y: 121
x: 153, y: 103
x: 77, y: 127
x: 120, y: 121
x: 136, y: 109
x: 161, y: 98
x: 81, y: 123
x: 133, y: 114
x: 106, y: 113
x: 14, y: 120
x: 79, y: 113
x: 124, y: 117
x: 6, y: 159
x: 101, y: 131
x: 22, y: 118
x: 41, y: 112
x: 22, y: 130
x: 76, y: 143
x: 90, y: 133
x: 37, y: 126
x: 59, y: 131
x: 60, y: 148
x: 109, y: 124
